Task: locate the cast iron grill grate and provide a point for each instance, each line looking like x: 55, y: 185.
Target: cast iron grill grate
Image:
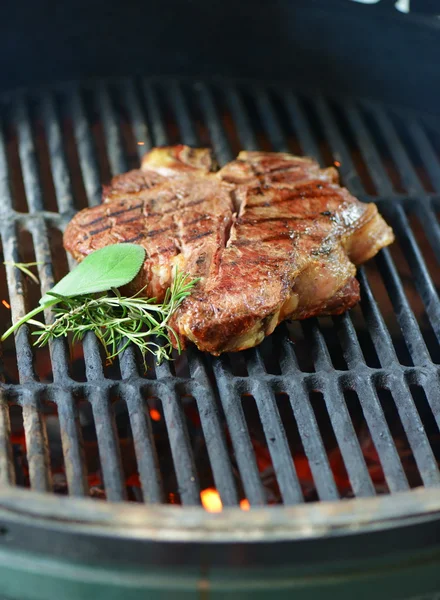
x: 324, y: 409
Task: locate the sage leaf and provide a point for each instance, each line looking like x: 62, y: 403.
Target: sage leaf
x: 110, y: 267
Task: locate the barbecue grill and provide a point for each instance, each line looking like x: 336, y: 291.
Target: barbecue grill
x: 329, y: 431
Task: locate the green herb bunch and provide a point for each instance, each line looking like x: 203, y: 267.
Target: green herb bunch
x: 88, y: 300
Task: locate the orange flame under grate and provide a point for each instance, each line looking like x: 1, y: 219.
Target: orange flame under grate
x: 155, y: 414
x: 211, y: 500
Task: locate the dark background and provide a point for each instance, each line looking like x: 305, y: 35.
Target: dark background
x: 340, y: 46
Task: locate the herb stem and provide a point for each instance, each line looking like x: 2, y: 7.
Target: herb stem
x: 27, y: 317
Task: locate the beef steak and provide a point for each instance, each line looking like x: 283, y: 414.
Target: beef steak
x: 271, y: 236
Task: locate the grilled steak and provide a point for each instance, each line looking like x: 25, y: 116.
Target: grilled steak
x: 271, y: 236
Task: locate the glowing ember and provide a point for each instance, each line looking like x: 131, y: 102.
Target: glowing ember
x: 244, y: 504
x: 155, y: 414
x: 6, y: 304
x: 211, y: 500
x: 141, y: 143
x: 337, y: 163
x: 133, y: 481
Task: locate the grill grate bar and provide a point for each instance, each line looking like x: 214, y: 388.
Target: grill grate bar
x: 274, y: 432
x: 368, y: 150
x: 430, y: 224
x: 270, y: 121
x: 431, y: 386
x: 301, y: 125
x: 28, y: 158
x: 7, y: 473
x: 239, y: 115
x: 412, y: 424
x: 158, y: 130
x: 188, y: 134
x: 218, y: 137
x: 115, y: 153
x: 213, y: 432
x: 58, y: 161
x: 339, y: 149
x: 376, y: 326
x: 143, y: 440
x: 137, y: 118
x: 321, y: 356
x: 128, y: 364
x: 18, y: 309
x: 86, y: 148
x: 109, y: 452
x: 5, y: 190
x: 146, y: 455
x: 422, y: 278
x: 58, y: 348
x: 339, y: 416
x: 92, y: 357
x: 381, y: 436
x: 310, y: 434
x: 186, y: 472
x: 345, y: 434
x: 397, y: 151
x: 36, y: 444
x: 183, y: 117
x: 72, y: 443
x: 105, y: 429
x: 237, y: 427
x: 349, y: 342
x: 426, y: 151
x: 407, y: 321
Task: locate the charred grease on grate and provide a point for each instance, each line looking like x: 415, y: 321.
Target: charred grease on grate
x: 326, y: 409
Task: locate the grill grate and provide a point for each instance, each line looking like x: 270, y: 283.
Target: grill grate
x: 374, y: 370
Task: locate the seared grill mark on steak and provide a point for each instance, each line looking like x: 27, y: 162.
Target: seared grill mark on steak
x: 97, y: 231
x: 197, y: 236
x: 155, y: 232
x: 168, y: 248
x: 198, y: 220
x: 195, y: 202
x: 136, y: 238
x: 289, y: 252
x: 107, y: 227
x: 116, y: 213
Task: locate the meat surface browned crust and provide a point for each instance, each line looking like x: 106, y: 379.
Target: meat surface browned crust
x: 271, y: 236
